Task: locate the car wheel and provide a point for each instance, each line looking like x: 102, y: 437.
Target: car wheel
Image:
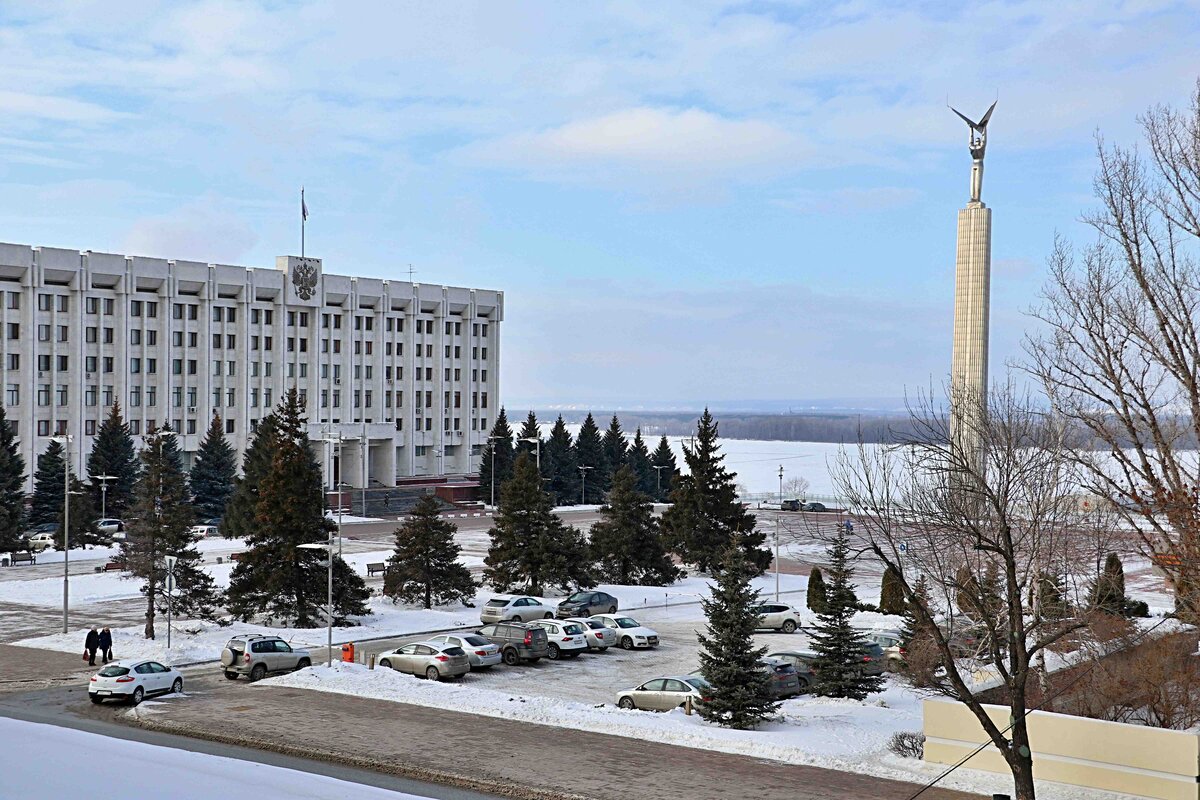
x: 96, y: 699
x: 385, y: 664
x: 432, y: 673
x: 585, y: 613
x: 516, y: 619
x: 803, y: 686
x: 231, y: 676
x: 627, y: 703
x: 554, y: 652
x: 177, y: 686
x: 511, y: 658
x: 137, y: 696
x: 259, y: 672
x: 612, y: 609
x: 626, y: 643
x: 789, y: 626
x: 303, y: 663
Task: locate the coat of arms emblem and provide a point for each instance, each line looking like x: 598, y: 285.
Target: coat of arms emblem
x: 304, y: 278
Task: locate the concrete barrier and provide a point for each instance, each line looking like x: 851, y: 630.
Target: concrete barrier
x: 1113, y: 756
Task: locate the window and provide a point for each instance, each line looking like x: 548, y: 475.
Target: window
x: 230, y: 397
x: 91, y: 305
x: 14, y: 300
x: 218, y: 313
x: 177, y: 366
x: 14, y: 330
x: 108, y: 365
x: 62, y: 394
x: 135, y: 365
x: 107, y: 395
x: 177, y: 399
x: 43, y: 427
x: 266, y: 342
x: 191, y: 397
x: 267, y: 315
x: 193, y: 311
x: 151, y: 309
x: 231, y: 315
x: 91, y: 334
x: 230, y: 341
x: 151, y: 396
x: 191, y: 426
x: 109, y: 305
x: 152, y: 338
x: 89, y: 364
x: 135, y: 396
x: 253, y: 369
x: 12, y: 394
x: 367, y: 398
x: 254, y: 398
x: 304, y: 371
x: 483, y: 399
x: 303, y: 319
x: 177, y: 338
x: 14, y: 361
x: 191, y: 366
x: 108, y: 335
x: 193, y: 339
x: 43, y: 333
x: 291, y: 319
x: 267, y: 370
x: 89, y: 427
x: 135, y: 427
x: 254, y: 316
x: 62, y: 363
x: 229, y: 368
x: 44, y: 302
x: 151, y: 366
x: 229, y: 426
x: 177, y: 311
x: 43, y: 362
x: 216, y: 341
x: 135, y: 308
x: 135, y: 336
x: 267, y: 398
x: 63, y: 302
x: 216, y: 398
x: 253, y: 342
x: 216, y: 368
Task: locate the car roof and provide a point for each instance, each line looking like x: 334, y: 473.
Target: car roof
x: 798, y: 653
x: 130, y: 663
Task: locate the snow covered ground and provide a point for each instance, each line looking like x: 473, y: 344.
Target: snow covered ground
x: 49, y: 761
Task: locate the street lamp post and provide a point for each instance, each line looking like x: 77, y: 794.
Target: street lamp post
x: 537, y: 442
x: 494, y: 439
x: 104, y: 479
x: 65, y: 440
x: 170, y: 593
x: 658, y: 480
x: 328, y: 548
x: 780, y: 486
x: 777, y: 559
x: 583, y: 484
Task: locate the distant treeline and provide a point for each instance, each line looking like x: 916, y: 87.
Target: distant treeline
x: 809, y: 427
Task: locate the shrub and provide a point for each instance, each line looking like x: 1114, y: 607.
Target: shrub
x: 907, y: 744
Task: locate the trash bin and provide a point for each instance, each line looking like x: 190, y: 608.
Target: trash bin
x: 348, y: 652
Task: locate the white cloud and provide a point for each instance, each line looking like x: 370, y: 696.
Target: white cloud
x: 204, y: 230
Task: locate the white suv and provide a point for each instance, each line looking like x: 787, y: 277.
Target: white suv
x: 566, y: 639
x: 778, y: 616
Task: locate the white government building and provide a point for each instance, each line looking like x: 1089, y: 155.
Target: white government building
x: 406, y: 372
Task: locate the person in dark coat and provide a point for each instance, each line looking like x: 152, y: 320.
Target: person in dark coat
x: 106, y: 644
x: 89, y: 646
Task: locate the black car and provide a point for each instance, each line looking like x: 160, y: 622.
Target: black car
x: 584, y: 604
x: 815, y: 507
x: 789, y: 505
x: 518, y: 641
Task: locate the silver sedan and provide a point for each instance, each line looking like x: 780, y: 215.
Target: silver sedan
x: 664, y: 694
x: 599, y: 636
x: 434, y: 660
x: 481, y: 653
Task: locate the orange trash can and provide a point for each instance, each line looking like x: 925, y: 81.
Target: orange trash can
x: 348, y: 652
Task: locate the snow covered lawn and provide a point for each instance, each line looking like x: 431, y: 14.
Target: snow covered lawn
x: 49, y: 761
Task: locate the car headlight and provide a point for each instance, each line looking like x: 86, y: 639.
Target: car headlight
x: 643, y: 638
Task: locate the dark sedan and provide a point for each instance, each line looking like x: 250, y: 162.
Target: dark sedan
x: 584, y: 604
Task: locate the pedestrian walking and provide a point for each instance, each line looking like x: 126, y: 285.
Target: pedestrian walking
x: 89, y: 647
x: 106, y: 644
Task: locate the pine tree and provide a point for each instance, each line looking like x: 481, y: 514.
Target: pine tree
x: 424, y: 566
x: 275, y: 575
x: 113, y: 454
x: 838, y: 644
x: 1108, y: 591
x: 626, y: 542
x: 615, y: 449
x: 817, y: 597
x: 12, y: 487
x: 589, y: 452
x: 638, y: 459
x: 910, y: 630
x: 706, y: 514
x: 497, y: 456
x: 238, y: 522
x: 891, y: 593
x: 559, y: 466
x: 530, y: 430
x: 740, y: 695
x: 47, y: 502
x: 213, y: 472
x: 665, y: 479
x: 531, y: 548
x: 160, y: 526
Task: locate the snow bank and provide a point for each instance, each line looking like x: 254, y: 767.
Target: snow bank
x: 49, y: 761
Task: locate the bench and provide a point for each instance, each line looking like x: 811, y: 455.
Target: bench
x: 21, y: 558
x: 117, y: 566
x: 235, y: 556
x: 377, y: 568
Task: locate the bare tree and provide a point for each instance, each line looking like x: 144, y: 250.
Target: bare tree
x: 1119, y: 356
x: 982, y: 527
x: 796, y: 488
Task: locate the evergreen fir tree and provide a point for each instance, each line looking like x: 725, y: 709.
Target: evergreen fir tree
x: 238, y: 522
x: 638, y: 459
x: 559, y: 466
x: 12, y: 487
x: 615, y: 449
x: 1054, y: 603
x: 838, y: 644
x: 213, y: 472
x: 424, y: 567
x: 47, y: 502
x: 625, y: 542
x: 706, y: 514
x: 817, y: 596
x: 160, y: 526
x: 113, y: 454
x: 891, y: 593
x: 740, y: 695
x: 275, y: 575
x: 589, y: 452
x: 531, y: 548
x: 530, y: 430
x: 910, y: 630
x: 497, y: 454
x: 1108, y: 591
x: 665, y: 479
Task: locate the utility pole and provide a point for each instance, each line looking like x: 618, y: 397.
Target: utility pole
x: 104, y: 479
x: 170, y: 593
x: 493, y: 440
x: 780, y: 489
x: 777, y: 559
x: 658, y: 480
x: 65, y: 440
x: 583, y: 485
x: 538, y: 443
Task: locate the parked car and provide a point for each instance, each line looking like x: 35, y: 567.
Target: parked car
x: 803, y: 661
x: 789, y: 505
x: 45, y: 527
x: 255, y: 655
x: 110, y: 525
x: 599, y: 636
x: 815, y: 507
x: 785, y: 680
x: 133, y: 679
x: 779, y: 616
x: 215, y: 522
x: 630, y: 633
x: 664, y: 694
x: 481, y: 654
x: 889, y: 641
x: 205, y: 531
x: 584, y: 604
x: 40, y: 541
x: 518, y: 641
x: 565, y: 639
x: 517, y: 609
x: 875, y: 661
x: 434, y: 660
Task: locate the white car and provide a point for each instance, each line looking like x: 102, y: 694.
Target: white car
x: 110, y: 525
x: 889, y: 641
x: 630, y: 633
x: 40, y: 541
x: 599, y: 636
x: 779, y: 616
x: 566, y: 639
x: 205, y: 531
x: 133, y: 679
x: 515, y: 609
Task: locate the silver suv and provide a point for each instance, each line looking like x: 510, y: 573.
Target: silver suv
x: 256, y: 655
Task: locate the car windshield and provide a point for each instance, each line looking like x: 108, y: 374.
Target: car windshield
x: 578, y: 597
x: 699, y: 683
x: 497, y: 603
x: 626, y: 622
x: 475, y: 641
x: 113, y: 671
x: 572, y: 630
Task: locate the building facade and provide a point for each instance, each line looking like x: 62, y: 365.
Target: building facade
x: 405, y: 373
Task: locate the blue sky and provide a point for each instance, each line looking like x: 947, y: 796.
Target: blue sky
x: 684, y: 202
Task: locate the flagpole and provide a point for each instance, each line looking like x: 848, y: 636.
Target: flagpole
x: 303, y: 218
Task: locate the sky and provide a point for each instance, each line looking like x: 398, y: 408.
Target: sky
x: 684, y: 202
